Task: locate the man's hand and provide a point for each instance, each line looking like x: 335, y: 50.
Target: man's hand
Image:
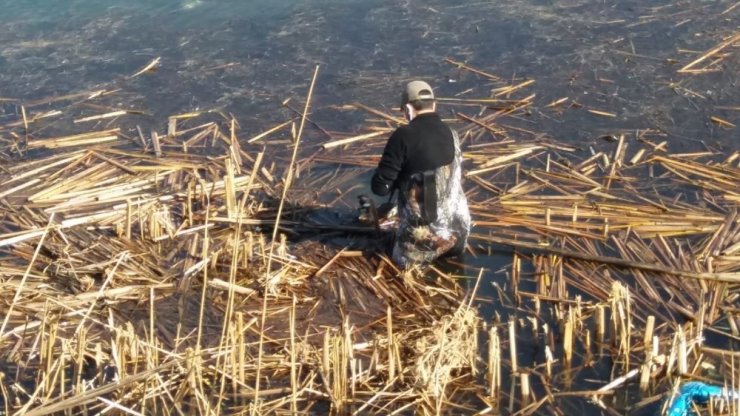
x: 380, y: 185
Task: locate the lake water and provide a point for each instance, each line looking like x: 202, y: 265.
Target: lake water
x: 246, y: 57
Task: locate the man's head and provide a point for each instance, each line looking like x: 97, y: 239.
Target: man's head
x: 417, y: 98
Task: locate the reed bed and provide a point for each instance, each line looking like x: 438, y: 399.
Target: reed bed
x: 626, y: 255
x: 184, y: 271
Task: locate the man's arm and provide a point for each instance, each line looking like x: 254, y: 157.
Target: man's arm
x: 390, y: 165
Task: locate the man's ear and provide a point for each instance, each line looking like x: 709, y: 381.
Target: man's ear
x: 410, y: 112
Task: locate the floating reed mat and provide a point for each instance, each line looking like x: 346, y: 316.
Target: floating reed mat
x: 190, y: 271
x: 147, y: 280
x: 625, y: 258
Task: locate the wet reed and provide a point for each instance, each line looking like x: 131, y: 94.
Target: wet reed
x: 171, y: 273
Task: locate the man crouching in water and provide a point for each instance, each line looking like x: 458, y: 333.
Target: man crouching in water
x: 423, y: 161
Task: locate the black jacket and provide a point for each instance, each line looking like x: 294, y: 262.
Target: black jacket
x: 425, y: 143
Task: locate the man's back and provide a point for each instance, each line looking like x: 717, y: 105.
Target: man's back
x: 429, y: 143
x: 424, y: 144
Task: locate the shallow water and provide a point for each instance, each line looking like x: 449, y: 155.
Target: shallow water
x: 620, y: 58
x: 247, y: 57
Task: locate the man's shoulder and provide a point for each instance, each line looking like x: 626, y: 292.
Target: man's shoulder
x: 402, y: 132
x: 434, y: 121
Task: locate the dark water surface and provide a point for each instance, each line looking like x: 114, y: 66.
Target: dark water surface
x: 247, y: 57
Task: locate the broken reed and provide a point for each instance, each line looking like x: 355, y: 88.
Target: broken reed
x: 201, y: 214
x: 552, y: 282
x: 136, y: 357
